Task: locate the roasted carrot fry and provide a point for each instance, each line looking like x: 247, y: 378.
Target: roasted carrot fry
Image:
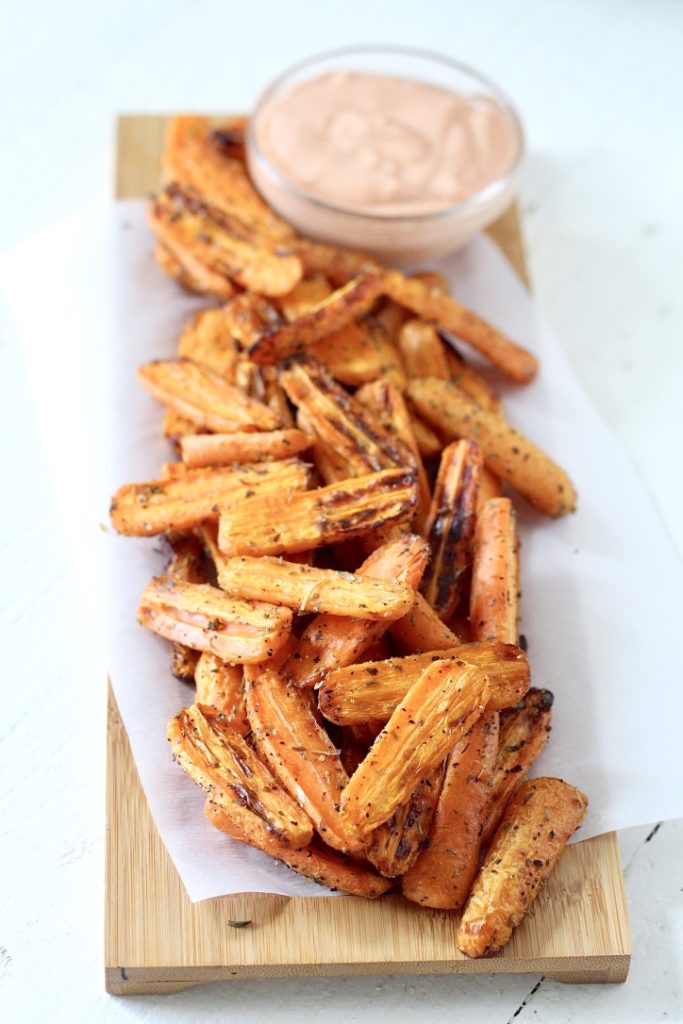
x: 203, y: 396
x: 304, y: 588
x: 359, y: 352
x: 506, y: 452
x: 219, y: 760
x: 316, y: 861
x: 187, y: 565
x: 469, y: 380
x: 348, y: 303
x: 219, y: 685
x: 207, y: 340
x: 432, y: 305
x: 223, y: 449
x: 266, y: 526
x: 450, y: 526
x: 494, y: 595
x: 330, y: 465
x: 422, y: 630
x: 206, y: 619
x: 443, y: 873
x: 524, y: 732
x: 300, y: 754
x: 533, y: 833
x: 222, y: 242
x: 304, y: 296
x: 437, y: 711
x: 194, y: 156
x: 340, y: 421
x: 389, y: 407
x: 422, y: 350
x: 179, y: 262
x: 157, y: 506
x: 373, y: 689
x: 395, y: 846
x: 330, y: 641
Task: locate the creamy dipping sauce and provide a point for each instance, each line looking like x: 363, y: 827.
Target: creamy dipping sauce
x: 379, y: 144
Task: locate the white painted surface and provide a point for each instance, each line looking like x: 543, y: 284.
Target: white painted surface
x: 601, y: 89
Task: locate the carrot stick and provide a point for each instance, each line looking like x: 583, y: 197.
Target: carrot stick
x: 204, y: 397
x: 206, y: 619
x: 450, y: 526
x: 268, y: 526
x: 224, y: 449
x: 219, y: 685
x: 219, y: 760
x: 533, y: 833
x: 305, y: 588
x: 494, y: 594
x: 422, y: 630
x: 300, y: 754
x: 372, y: 690
x: 422, y: 350
x: 443, y: 873
x: 316, y: 861
x: 432, y: 305
x: 506, y: 452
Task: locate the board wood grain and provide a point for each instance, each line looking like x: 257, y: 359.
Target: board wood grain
x: 156, y: 940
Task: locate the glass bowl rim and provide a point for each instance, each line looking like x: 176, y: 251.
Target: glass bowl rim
x: 473, y: 203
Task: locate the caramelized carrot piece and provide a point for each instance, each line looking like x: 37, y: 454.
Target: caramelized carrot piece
x: 265, y: 525
x: 219, y: 685
x: 208, y: 341
x: 315, y: 861
x: 450, y: 526
x: 178, y: 262
x: 506, y: 452
x: 197, y: 156
x: 533, y: 833
x: 389, y: 408
x: 422, y: 630
x: 395, y: 846
x: 442, y: 875
x: 437, y: 711
x: 219, y: 760
x: 342, y: 422
x: 206, y: 619
x: 224, y: 449
x: 176, y: 427
x: 494, y: 595
x: 305, y: 588
x: 428, y: 443
x: 359, y: 352
x: 332, y: 640
x: 373, y: 689
x: 300, y: 754
x: 348, y: 303
x: 158, y: 506
x: 204, y: 397
x: 221, y: 242
x: 432, y: 305
x: 339, y: 265
x: 524, y: 732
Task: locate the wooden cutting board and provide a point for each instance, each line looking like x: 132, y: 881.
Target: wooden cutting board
x: 158, y: 941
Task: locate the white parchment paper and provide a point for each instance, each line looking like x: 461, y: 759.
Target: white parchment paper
x: 602, y: 589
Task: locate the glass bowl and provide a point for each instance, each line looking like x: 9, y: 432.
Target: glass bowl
x: 397, y: 239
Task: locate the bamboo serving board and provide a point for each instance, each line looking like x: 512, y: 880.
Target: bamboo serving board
x: 158, y: 941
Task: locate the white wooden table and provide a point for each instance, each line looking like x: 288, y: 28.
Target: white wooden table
x: 601, y: 90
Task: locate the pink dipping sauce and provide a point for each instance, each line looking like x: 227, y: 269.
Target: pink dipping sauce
x: 378, y: 144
